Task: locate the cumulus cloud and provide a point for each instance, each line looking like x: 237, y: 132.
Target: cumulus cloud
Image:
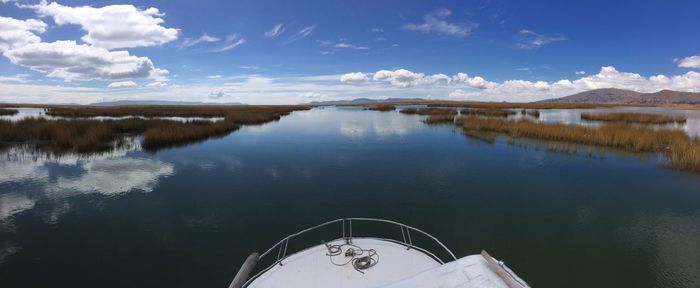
x: 121, y: 84
x: 403, y: 78
x: 434, y: 22
x: 112, y: 26
x: 580, y: 72
x: 275, y: 31
x: 354, y: 77
x: 17, y: 33
x: 464, y: 86
x: 303, y: 33
x: 528, y: 39
x: 73, y: 62
x: 690, y: 62
x: 202, y: 39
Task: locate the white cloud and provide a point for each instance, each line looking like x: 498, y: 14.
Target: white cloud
x: 580, y: 72
x: 113, y: 26
x: 275, y: 31
x: 403, y: 78
x: 258, y: 89
x: 122, y: 84
x: 249, y: 67
x: 232, y: 41
x: 465, y: 87
x: 218, y: 94
x: 377, y: 30
x: 528, y: 39
x: 474, y: 82
x: 19, y: 78
x: 311, y: 94
x: 17, y: 33
x: 303, y: 33
x: 690, y: 62
x: 434, y: 22
x: 217, y: 76
x: 350, y: 46
x: 72, y: 62
x: 355, y: 77
x: 202, y: 39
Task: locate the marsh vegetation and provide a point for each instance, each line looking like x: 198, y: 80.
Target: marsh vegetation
x: 428, y: 111
x: 6, y: 111
x: 440, y: 119
x: 629, y: 117
x: 382, y: 108
x: 683, y: 152
x: 89, y: 135
x: 489, y: 112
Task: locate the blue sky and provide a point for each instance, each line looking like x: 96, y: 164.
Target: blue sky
x: 301, y: 51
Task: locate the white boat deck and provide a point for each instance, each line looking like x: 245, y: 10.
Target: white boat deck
x: 313, y: 268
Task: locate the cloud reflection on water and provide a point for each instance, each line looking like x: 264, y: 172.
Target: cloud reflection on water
x: 105, y: 173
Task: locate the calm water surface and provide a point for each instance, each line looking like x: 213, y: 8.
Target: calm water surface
x: 188, y: 217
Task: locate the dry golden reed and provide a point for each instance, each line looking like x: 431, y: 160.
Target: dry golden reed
x: 683, y: 152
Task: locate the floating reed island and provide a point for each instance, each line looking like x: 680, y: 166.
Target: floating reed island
x: 428, y: 111
x: 683, y: 152
x: 90, y: 135
x: 630, y: 117
x: 5, y: 111
x: 488, y: 112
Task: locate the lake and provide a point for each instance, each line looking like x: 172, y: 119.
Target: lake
x: 188, y: 217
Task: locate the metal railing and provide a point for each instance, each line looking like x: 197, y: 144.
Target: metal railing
x: 347, y: 235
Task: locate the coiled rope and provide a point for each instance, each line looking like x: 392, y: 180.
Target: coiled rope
x: 360, y: 259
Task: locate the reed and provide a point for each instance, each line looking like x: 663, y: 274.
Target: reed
x: 489, y: 112
x: 440, y: 119
x: 179, y: 134
x: 683, y: 152
x: 382, y: 108
x: 428, y: 111
x: 169, y: 111
x: 85, y: 135
x: 5, y: 111
x: 629, y: 117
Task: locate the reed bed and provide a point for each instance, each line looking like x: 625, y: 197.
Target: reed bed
x: 85, y: 135
x: 683, y: 152
x: 179, y: 134
x: 5, y: 111
x: 489, y: 112
x: 169, y: 111
x: 428, y: 111
x: 440, y: 119
x: 638, y: 118
x: 383, y: 108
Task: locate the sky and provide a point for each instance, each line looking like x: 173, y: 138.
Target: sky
x: 288, y: 52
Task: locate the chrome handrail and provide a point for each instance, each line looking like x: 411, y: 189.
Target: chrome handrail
x: 405, y: 233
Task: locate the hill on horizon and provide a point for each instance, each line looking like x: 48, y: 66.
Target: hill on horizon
x: 614, y: 95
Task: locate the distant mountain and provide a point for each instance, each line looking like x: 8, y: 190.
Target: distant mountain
x: 612, y: 95
x: 158, y: 102
x: 365, y: 101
